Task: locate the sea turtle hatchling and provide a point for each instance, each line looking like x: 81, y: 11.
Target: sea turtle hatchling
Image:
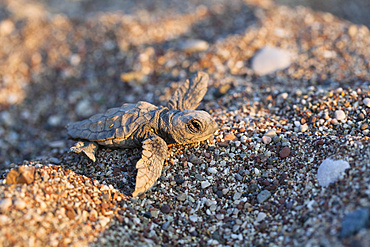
x: 149, y: 126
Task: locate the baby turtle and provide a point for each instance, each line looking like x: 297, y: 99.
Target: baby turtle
x: 149, y: 126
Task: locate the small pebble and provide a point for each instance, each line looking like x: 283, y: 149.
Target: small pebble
x: 266, y: 139
x: 4, y: 219
x: 84, y: 108
x: 165, y: 209
x: 261, y: 216
x: 330, y: 170
x: 220, y: 216
x: 364, y: 126
x: 340, y: 115
x: 229, y: 137
x: 212, y: 170
x: 147, y: 215
x: 366, y: 102
x: 93, y: 215
x: 239, y: 177
x: 199, y: 177
x: 5, y: 204
x: 270, y: 59
x: 179, y: 179
x: 205, y: 184
x: 193, y: 45
x: 219, y: 193
x: 181, y: 197
x: 243, y: 139
x: 21, y: 175
x: 253, y: 187
x: 193, y: 218
x: 195, y: 160
x: 257, y: 172
x: 263, y: 196
x: 284, y: 152
x: 154, y: 213
x: 237, y: 196
x: 19, y: 204
x: 166, y: 225
x: 270, y: 133
x: 303, y: 127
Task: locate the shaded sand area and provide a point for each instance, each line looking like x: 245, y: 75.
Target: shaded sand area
x: 289, y: 88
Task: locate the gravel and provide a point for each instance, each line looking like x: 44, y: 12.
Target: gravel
x: 239, y: 188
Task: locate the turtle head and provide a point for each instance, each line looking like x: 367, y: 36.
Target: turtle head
x: 191, y: 126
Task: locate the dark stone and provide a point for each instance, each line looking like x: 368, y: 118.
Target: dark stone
x: 253, y: 187
x: 179, y: 179
x: 147, y: 215
x: 355, y: 221
x: 219, y: 193
x: 195, y: 160
x: 239, y: 177
x: 166, y: 225
x: 216, y: 235
x: 289, y: 204
x: 199, y: 177
x: 263, y: 226
x: 165, y: 209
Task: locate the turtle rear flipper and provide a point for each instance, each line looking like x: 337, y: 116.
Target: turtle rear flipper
x: 151, y: 163
x: 88, y: 148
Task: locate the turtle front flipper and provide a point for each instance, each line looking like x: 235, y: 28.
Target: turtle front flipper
x: 190, y: 94
x: 88, y: 148
x: 151, y: 163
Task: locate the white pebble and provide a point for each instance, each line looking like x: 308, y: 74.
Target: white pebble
x: 5, y: 204
x: 193, y: 218
x: 220, y: 216
x: 194, y: 45
x: 237, y: 196
x: 243, y: 139
x: 330, y: 170
x: 257, y: 172
x: 270, y: 133
x: 340, y: 115
x: 261, y: 216
x: 270, y: 59
x: 6, y: 118
x: 4, y: 219
x: 366, y: 102
x: 84, y: 108
x: 210, y: 202
x: 20, y: 204
x: 266, y: 139
x: 303, y: 128
x: 212, y: 170
x: 205, y: 184
x: 75, y: 59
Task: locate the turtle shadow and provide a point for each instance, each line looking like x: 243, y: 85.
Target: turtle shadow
x: 116, y: 167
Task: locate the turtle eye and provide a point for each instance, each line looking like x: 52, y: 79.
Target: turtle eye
x: 194, y: 125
